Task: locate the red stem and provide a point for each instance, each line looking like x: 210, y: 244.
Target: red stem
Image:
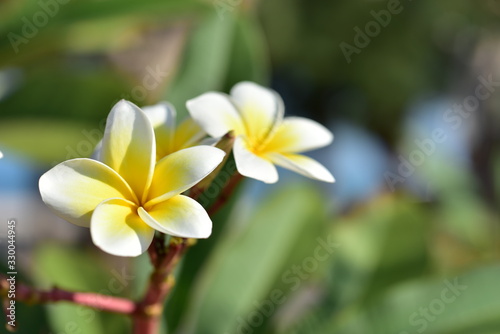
x: 147, y: 319
x: 225, y: 194
x: 25, y: 293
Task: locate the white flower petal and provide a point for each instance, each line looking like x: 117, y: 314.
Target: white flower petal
x: 181, y: 170
x: 163, y: 119
x: 261, y: 108
x: 128, y: 145
x: 216, y: 114
x: 298, y: 134
x: 74, y: 188
x: 251, y: 165
x: 117, y: 229
x: 179, y: 216
x: 303, y: 165
x: 162, y: 114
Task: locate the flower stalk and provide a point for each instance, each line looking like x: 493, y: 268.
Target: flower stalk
x: 225, y: 195
x: 30, y: 295
x: 148, y: 316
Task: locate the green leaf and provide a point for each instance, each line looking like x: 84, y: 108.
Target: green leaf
x: 76, y: 270
x: 251, y: 258
x: 382, y: 244
x: 468, y: 303
x: 91, y: 10
x: 47, y: 142
x: 206, y: 61
x: 113, y: 8
x: 250, y: 57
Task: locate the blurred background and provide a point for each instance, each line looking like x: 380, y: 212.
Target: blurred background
x: 405, y: 241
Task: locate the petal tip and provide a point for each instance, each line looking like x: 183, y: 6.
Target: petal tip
x: 122, y: 103
x: 267, y: 178
x: 206, y: 235
x: 328, y: 178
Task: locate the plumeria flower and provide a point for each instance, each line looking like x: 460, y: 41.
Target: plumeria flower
x: 169, y: 137
x: 125, y: 197
x: 263, y: 137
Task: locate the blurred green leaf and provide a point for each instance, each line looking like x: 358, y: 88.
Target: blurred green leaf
x: 251, y: 258
x: 456, y: 305
x: 65, y: 88
x: 77, y: 270
x: 250, y: 57
x: 456, y: 215
x: 47, y: 142
x: 206, y: 61
x: 30, y: 319
x: 90, y: 10
x: 112, y: 8
x: 383, y: 243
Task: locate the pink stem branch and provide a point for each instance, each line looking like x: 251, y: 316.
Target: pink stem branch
x: 147, y: 319
x: 225, y: 194
x: 25, y: 293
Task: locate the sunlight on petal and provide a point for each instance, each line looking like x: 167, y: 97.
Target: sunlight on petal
x: 163, y: 117
x: 117, y: 229
x: 181, y: 170
x: 74, y: 188
x: 297, y: 134
x: 187, y: 134
x: 128, y: 145
x: 251, y: 165
x: 261, y: 108
x: 216, y: 114
x: 179, y: 216
x: 303, y: 165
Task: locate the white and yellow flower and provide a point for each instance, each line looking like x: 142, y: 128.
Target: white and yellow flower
x: 263, y: 137
x: 125, y: 197
x: 171, y: 138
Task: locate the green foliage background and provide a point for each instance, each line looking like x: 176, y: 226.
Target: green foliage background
x: 394, y: 252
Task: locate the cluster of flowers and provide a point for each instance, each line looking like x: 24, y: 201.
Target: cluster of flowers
x: 145, y: 163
